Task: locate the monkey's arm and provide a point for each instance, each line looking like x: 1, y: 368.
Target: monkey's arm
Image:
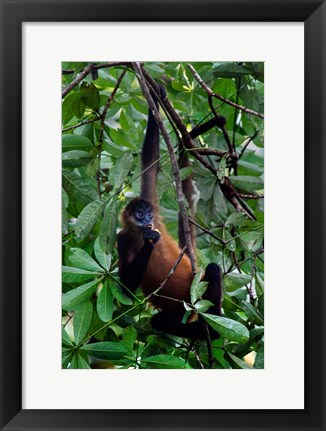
x: 132, y: 273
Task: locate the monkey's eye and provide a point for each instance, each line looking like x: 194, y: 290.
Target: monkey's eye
x: 139, y: 214
x: 150, y: 215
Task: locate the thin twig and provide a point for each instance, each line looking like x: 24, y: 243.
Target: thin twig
x: 82, y: 123
x: 174, y: 162
x: 206, y: 231
x: 103, y: 115
x: 223, y: 99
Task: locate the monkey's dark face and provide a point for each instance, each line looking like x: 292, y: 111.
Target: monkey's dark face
x: 143, y: 215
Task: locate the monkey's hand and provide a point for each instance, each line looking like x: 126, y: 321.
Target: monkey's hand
x: 151, y: 235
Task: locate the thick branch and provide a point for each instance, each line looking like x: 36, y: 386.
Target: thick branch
x: 88, y: 69
x: 176, y: 172
x: 210, y: 92
x: 226, y: 187
x: 78, y: 79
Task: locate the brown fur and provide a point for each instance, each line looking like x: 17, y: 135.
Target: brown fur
x: 164, y: 256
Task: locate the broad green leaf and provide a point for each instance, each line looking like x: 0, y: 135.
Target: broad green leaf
x: 104, y: 303
x: 235, y: 219
x: 253, y: 239
x: 91, y: 96
x: 74, y: 362
x: 253, y: 313
x: 164, y: 361
x: 66, y: 341
x: 129, y: 336
x: 68, y: 105
x: 70, y: 274
x: 66, y: 357
x: 108, y: 230
x: 79, y: 258
x: 259, y: 360
x: 120, y: 171
x: 82, y: 320
x: 82, y: 363
x: 230, y: 329
x: 118, y: 293
x: 75, y: 158
x: 229, y: 70
x: 109, y: 350
x: 240, y: 363
x: 75, y: 297
x: 77, y: 187
x: 247, y: 183
x: 204, y: 305
x: 64, y: 218
x: 88, y: 218
x: 219, y: 356
x: 234, y: 280
x: 76, y: 142
x: 198, y: 287
x: 103, y: 258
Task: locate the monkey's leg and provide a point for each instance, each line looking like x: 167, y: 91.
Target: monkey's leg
x: 214, y: 288
x: 172, y: 324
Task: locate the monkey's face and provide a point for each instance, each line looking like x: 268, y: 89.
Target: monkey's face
x: 143, y: 215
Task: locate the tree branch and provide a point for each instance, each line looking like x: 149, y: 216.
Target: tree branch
x: 226, y: 186
x: 174, y: 162
x: 88, y: 69
x: 210, y: 92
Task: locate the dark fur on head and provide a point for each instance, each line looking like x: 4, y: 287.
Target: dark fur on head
x: 129, y: 217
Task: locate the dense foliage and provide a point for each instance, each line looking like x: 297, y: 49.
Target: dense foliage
x: 104, y: 117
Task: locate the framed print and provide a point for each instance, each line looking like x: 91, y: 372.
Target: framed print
x: 199, y: 48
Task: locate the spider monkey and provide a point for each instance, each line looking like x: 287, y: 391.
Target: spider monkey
x: 147, y: 252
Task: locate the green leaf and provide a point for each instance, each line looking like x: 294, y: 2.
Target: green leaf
x: 64, y: 218
x: 120, y: 171
x: 239, y: 362
x: 70, y: 274
x: 198, y: 287
x: 109, y: 350
x: 104, y: 303
x: 230, y: 329
x: 247, y: 183
x: 234, y: 280
x: 129, y: 336
x: 91, y: 96
x: 77, y: 188
x: 75, y: 297
x: 229, y: 70
x: 103, y: 258
x: 79, y: 258
x: 66, y: 341
x: 108, y: 230
x: 75, y: 158
x: 235, y: 219
x: 88, y: 218
x: 76, y: 142
x: 82, y: 364
x: 204, y: 305
x: 165, y: 361
x: 253, y: 313
x: 117, y: 292
x: 82, y: 320
x: 259, y: 361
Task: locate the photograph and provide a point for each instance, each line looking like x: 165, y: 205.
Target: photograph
x: 162, y: 215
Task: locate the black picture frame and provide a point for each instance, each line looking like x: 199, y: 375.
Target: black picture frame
x: 13, y: 14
